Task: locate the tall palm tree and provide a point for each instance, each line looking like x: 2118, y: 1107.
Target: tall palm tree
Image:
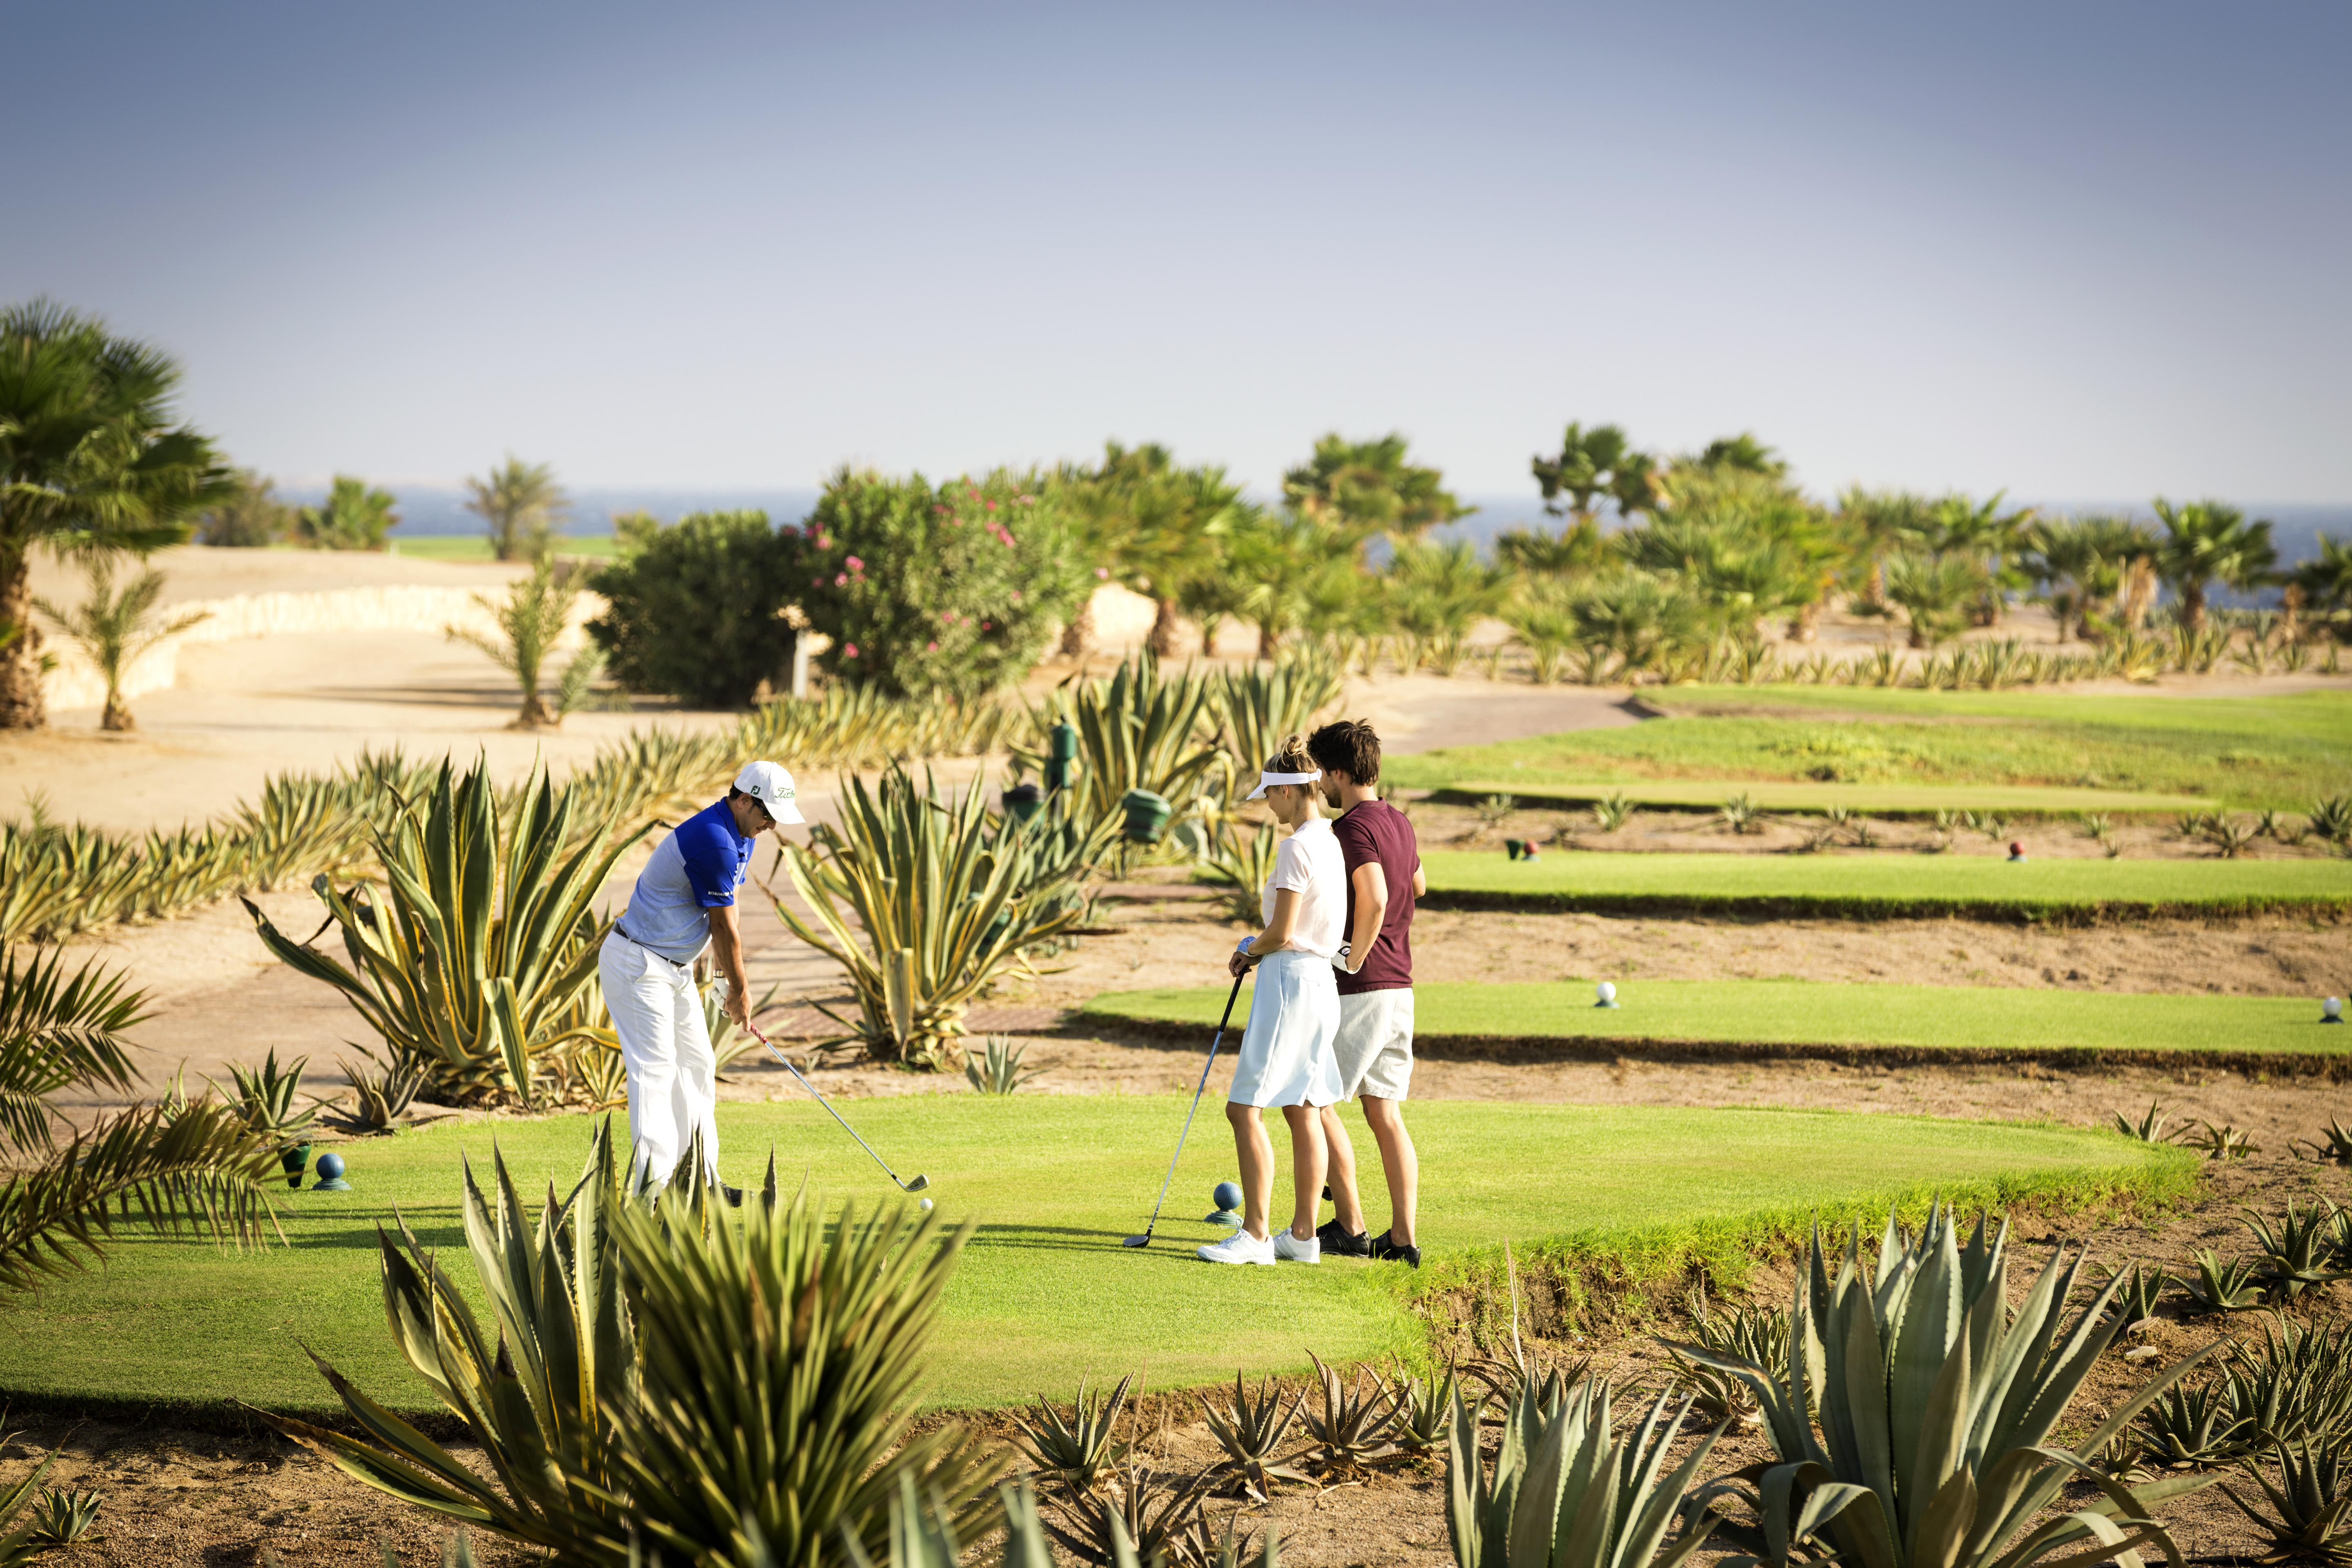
x: 90, y: 463
x: 177, y: 1165
x: 1990, y: 539
x: 2080, y: 563
x: 521, y: 506
x: 1877, y: 523
x: 113, y: 629
x: 249, y: 519
x: 1369, y: 489
x: 1302, y: 575
x: 1152, y: 524
x: 2326, y: 580
x: 1592, y: 464
x: 352, y: 516
x: 530, y: 621
x: 2206, y: 541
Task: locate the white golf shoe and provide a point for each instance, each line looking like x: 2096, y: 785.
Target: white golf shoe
x: 1239, y: 1247
x: 1290, y: 1249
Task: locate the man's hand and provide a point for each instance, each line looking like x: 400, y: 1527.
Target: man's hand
x: 727, y: 953
x: 739, y: 1008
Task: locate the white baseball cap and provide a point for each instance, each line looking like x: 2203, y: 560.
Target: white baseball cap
x: 768, y: 783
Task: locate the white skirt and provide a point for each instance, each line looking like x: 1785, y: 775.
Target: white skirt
x: 1286, y: 1057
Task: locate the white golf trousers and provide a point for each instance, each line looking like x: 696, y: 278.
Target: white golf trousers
x: 666, y: 1048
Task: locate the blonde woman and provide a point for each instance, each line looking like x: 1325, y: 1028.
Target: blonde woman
x: 1286, y: 1057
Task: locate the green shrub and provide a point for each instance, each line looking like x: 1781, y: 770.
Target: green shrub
x: 697, y: 610
x: 352, y: 516
x: 953, y: 589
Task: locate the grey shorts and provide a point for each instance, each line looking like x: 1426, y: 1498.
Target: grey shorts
x: 1375, y: 1044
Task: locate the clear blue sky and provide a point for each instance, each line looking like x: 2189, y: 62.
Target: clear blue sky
x: 2078, y: 250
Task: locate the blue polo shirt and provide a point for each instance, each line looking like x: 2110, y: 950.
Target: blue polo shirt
x: 696, y: 869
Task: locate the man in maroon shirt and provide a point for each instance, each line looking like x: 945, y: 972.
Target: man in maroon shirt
x: 1375, y: 1041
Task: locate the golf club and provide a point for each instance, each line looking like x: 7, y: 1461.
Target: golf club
x: 1216, y: 1040
x: 917, y: 1186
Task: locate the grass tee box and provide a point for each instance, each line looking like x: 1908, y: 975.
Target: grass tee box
x: 1885, y: 885
x: 2125, y: 752
x: 1803, y: 1017
x: 1045, y: 1294
x: 1807, y: 796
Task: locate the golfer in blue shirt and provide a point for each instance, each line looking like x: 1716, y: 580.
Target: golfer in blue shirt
x: 685, y: 902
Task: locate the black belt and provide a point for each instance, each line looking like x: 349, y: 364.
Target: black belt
x: 623, y: 932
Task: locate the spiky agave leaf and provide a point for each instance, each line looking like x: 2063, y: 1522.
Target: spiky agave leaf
x: 1353, y: 1426
x: 1252, y: 1432
x: 1077, y: 1446
x: 195, y: 1172
x: 59, y: 1029
x: 2310, y: 1512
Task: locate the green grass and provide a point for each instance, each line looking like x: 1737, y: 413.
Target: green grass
x: 473, y: 547
x: 1045, y: 1295
x: 1922, y: 1019
x: 1882, y: 885
x: 1883, y: 799
x: 2281, y: 752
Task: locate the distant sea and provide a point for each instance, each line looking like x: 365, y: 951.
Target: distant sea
x: 432, y: 512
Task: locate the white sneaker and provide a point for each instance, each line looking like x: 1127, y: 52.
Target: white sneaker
x: 1290, y: 1249
x: 1239, y: 1247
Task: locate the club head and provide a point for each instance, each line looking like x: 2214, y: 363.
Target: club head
x: 918, y: 1184
x: 1143, y: 1240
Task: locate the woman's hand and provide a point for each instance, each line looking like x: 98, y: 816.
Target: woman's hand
x: 1237, y: 963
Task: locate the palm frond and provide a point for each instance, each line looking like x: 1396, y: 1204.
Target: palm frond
x: 57, y: 1030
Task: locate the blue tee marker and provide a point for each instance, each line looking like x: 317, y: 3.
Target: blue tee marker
x: 1227, y: 1197
x: 331, y: 1174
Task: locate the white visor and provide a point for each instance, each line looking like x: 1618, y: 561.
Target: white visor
x: 1264, y: 779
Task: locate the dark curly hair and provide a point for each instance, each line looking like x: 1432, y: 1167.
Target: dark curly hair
x: 1348, y: 745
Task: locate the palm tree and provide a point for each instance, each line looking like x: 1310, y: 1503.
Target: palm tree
x: 1592, y: 464
x: 1877, y: 523
x: 352, y: 516
x: 1744, y: 454
x: 2207, y: 541
x: 1931, y: 590
x: 532, y: 620
x: 250, y: 518
x: 1571, y: 552
x: 1209, y: 599
x: 1153, y: 525
x: 1367, y: 488
x: 2326, y: 581
x: 521, y: 505
x: 1987, y: 537
x: 113, y: 631
x: 90, y: 463
x: 1301, y: 573
x: 2080, y: 563
x: 1639, y: 619
x: 1441, y: 592
x: 177, y: 1165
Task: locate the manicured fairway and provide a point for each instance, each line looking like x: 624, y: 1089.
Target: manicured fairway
x: 1885, y: 799
x: 1045, y: 1295
x: 1803, y: 1012
x: 477, y: 547
x: 1881, y: 884
x: 2282, y: 751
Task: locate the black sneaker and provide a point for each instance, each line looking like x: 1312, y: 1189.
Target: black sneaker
x: 1382, y: 1248
x: 1339, y: 1242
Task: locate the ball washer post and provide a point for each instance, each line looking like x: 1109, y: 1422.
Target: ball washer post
x: 1216, y: 1040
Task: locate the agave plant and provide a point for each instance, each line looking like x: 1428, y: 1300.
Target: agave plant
x: 1148, y: 1517
x: 64, y: 1515
x: 778, y: 1369
x: 2221, y: 1141
x: 1077, y: 1448
x: 999, y: 1072
x: 18, y: 1521
x: 538, y: 1393
x: 1758, y: 1335
x: 1609, y: 815
x: 264, y: 1100
x: 2310, y: 1512
x: 2221, y: 1286
x: 474, y: 959
x: 2294, y: 1383
x: 1240, y: 868
x: 1421, y: 1408
x: 924, y: 903
x: 1566, y: 1490
x: 1139, y: 729
x: 2331, y: 819
x: 1353, y: 1427
x: 2194, y: 1425
x: 1739, y: 812
x: 380, y: 1098
x: 2148, y: 1129
x: 2298, y: 1251
x: 1252, y: 1431
x: 2333, y: 1143
x: 2139, y: 1291
x: 1937, y: 1403
x: 1255, y: 707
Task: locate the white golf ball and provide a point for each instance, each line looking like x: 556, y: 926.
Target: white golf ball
x: 1605, y: 991
x: 927, y: 1203
x: 2331, y: 1006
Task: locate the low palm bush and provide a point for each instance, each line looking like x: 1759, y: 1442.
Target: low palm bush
x: 180, y: 1167
x: 264, y: 1100
x: 113, y: 629
x: 1148, y: 1519
x: 1937, y: 1403
x: 2298, y: 1249
x: 1566, y: 1489
x: 2193, y: 1425
x: 1758, y: 1335
x: 381, y: 1097
x: 1608, y: 816
x: 2333, y: 1143
x: 1424, y: 1408
x: 531, y: 620
x: 477, y: 957
x: 2147, y: 1129
x: 65, y: 1515
x: 924, y: 903
x: 2294, y: 1383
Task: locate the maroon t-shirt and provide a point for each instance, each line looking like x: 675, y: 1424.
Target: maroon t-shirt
x: 1377, y: 831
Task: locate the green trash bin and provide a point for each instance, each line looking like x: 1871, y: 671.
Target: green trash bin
x: 1147, y: 815
x: 1062, y: 756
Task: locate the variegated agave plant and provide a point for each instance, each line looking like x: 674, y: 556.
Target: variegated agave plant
x: 1937, y: 1403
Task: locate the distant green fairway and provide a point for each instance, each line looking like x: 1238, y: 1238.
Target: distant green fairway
x: 1044, y: 1294
x: 2282, y: 751
x: 1883, y: 799
x: 1918, y: 1020
x: 1881, y: 885
x: 477, y: 547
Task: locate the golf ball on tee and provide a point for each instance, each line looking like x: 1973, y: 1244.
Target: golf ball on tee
x: 927, y: 1203
x: 1605, y: 992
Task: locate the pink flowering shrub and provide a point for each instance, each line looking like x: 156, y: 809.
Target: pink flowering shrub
x: 953, y: 589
